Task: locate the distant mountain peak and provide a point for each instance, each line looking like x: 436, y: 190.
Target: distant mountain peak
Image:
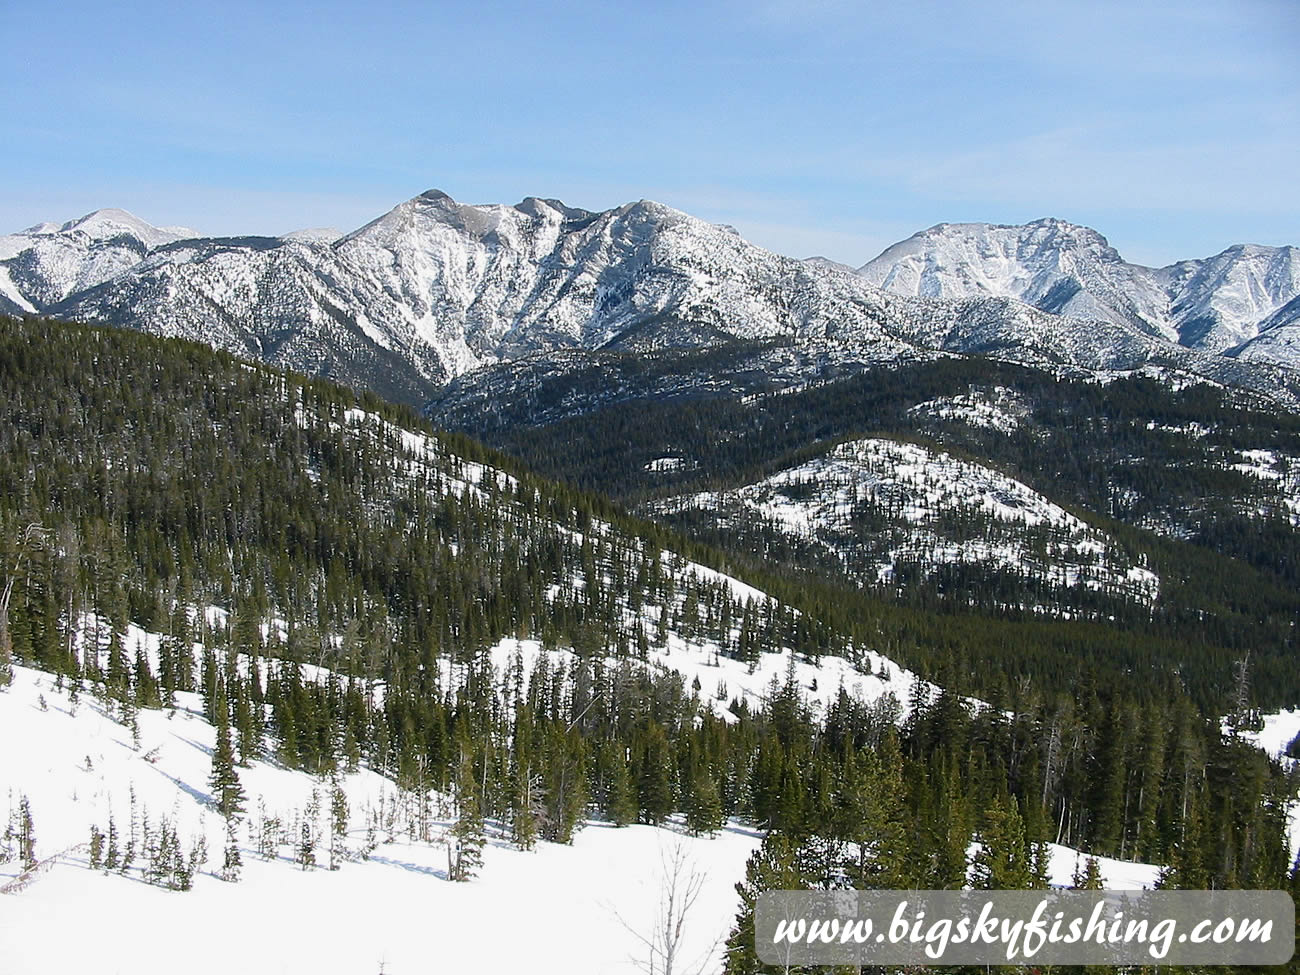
x: 535, y: 206
x: 313, y: 235
x: 1213, y: 304
x: 109, y: 222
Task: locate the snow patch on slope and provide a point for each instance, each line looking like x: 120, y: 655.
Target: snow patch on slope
x: 879, y: 504
x: 999, y: 409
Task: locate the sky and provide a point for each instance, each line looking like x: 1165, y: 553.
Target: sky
x: 828, y: 127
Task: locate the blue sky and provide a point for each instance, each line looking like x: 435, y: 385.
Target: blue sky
x: 814, y: 127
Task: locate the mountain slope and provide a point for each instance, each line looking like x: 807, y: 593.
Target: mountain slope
x: 566, y: 909
x: 43, y: 265
x: 899, y: 513
x: 85, y: 768
x: 1213, y: 304
x: 1194, y: 482
x: 354, y: 600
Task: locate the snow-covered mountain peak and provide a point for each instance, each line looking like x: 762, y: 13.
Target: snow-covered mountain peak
x: 47, y: 263
x: 826, y: 264
x: 535, y: 206
x: 960, y: 242
x: 435, y: 288
x: 1214, y: 304
x: 110, y: 222
x: 313, y: 235
x: 434, y: 213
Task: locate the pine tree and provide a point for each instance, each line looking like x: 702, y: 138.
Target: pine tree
x: 1087, y: 875
x: 129, y: 851
x: 525, y: 804
x: 1002, y: 862
x: 468, y: 836
x: 525, y: 808
x: 248, y: 729
x: 26, y: 835
x: 621, y: 804
x: 704, y: 805
x: 564, y: 783
x: 338, y: 823
x: 96, y: 847
x: 775, y: 865
x: 306, y: 853
x: 232, y: 863
x: 112, y: 855
x: 117, y: 680
x: 227, y: 792
x: 655, y: 778
x: 12, y: 557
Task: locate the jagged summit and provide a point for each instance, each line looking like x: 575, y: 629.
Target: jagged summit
x: 1213, y: 304
x: 434, y: 289
x: 534, y: 206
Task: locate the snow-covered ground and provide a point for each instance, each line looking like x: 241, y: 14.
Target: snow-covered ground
x: 555, y: 909
x: 1066, y: 862
x: 999, y: 409
x: 583, y: 909
x: 1280, y: 729
x: 722, y: 679
x: 1279, y: 471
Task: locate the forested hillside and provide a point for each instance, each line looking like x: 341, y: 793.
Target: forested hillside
x: 369, y: 572
x: 1196, y: 484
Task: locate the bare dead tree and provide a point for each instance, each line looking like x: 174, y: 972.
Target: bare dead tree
x: 681, y: 882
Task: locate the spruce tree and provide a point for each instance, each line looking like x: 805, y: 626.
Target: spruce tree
x: 232, y: 862
x: 26, y: 835
x: 704, y: 806
x: 338, y: 823
x: 227, y: 792
x: 468, y: 836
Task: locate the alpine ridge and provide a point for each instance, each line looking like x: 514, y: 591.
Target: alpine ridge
x: 1219, y: 304
x: 436, y: 290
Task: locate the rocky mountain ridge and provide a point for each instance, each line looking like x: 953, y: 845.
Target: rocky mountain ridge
x: 1219, y: 304
x: 436, y: 290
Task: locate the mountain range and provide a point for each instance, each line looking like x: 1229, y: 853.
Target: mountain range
x: 1224, y: 304
x: 435, y: 291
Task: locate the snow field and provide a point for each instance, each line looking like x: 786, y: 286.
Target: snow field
x: 550, y: 910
